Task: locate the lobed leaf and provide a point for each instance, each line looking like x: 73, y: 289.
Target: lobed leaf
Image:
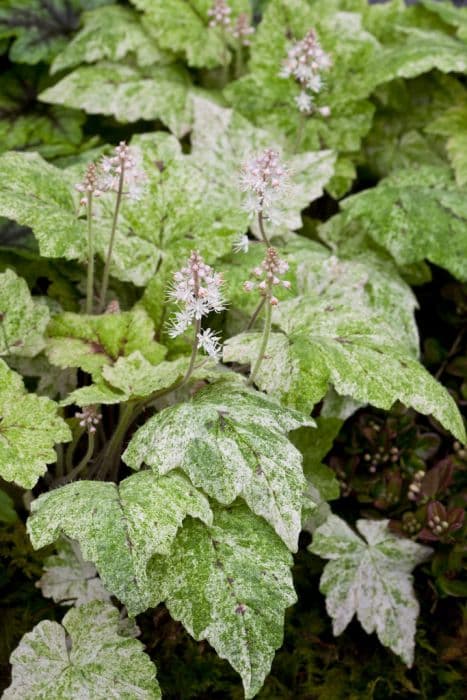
x: 68, y: 579
x: 86, y: 656
x: 29, y: 428
x: 93, y: 342
x: 370, y: 579
x: 119, y: 528
x: 231, y: 442
x: 229, y: 583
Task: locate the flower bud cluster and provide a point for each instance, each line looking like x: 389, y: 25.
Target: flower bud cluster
x: 220, y: 14
x: 265, y: 179
x: 416, y: 485
x: 243, y: 29
x: 437, y: 525
x: 123, y: 163
x: 92, y: 184
x: 306, y: 61
x: 267, y: 276
x: 198, y: 290
x: 89, y: 418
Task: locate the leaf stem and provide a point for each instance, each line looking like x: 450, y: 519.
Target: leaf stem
x: 105, y: 277
x: 256, y: 313
x: 82, y: 465
x: 264, y: 344
x: 90, y: 277
x: 109, y: 459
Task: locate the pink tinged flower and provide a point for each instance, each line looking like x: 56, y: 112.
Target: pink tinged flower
x: 197, y: 289
x: 210, y: 343
x: 125, y: 160
x: 220, y: 14
x: 89, y: 418
x: 304, y: 102
x: 325, y: 111
x: 269, y: 273
x: 243, y: 29
x: 264, y: 178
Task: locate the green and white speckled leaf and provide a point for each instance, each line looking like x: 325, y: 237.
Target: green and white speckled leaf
x: 420, y: 52
x: 455, y: 15
x: 222, y: 140
x: 109, y: 33
x: 182, y: 26
x: 453, y: 125
x: 29, y: 429
x: 229, y: 584
x: 366, y: 282
x: 84, y: 657
x: 416, y: 214
x: 24, y: 319
x: 231, y: 442
x: 128, y: 94
x: 119, y: 528
x: 371, y: 579
x: 36, y: 194
x: 92, y: 342
x: 68, y: 579
x: 357, y: 353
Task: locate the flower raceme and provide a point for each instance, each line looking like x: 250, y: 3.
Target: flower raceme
x: 123, y: 166
x: 264, y: 178
x: 306, y: 61
x: 220, y: 14
x: 197, y: 289
x: 267, y: 276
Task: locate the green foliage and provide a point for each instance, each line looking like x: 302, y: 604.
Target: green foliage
x: 29, y: 428
x: 119, y: 528
x: 251, y: 344
x: 424, y: 204
x: 231, y: 443
x: 23, y: 320
x: 230, y: 583
x: 100, y: 662
x: 92, y: 342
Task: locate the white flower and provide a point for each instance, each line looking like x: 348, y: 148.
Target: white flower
x: 210, y: 343
x: 198, y: 290
x: 243, y: 29
x: 304, y: 102
x: 264, y: 178
x: 305, y: 62
x: 124, y: 161
x: 242, y: 244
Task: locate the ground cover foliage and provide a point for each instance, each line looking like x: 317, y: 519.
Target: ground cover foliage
x: 233, y: 349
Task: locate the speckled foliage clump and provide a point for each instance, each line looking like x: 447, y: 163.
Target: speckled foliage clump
x: 218, y: 222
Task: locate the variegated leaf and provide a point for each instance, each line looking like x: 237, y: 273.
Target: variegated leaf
x: 84, y: 657
x: 229, y: 583
x: 371, y: 579
x: 23, y: 320
x: 231, y: 442
x: 29, y: 429
x: 119, y: 528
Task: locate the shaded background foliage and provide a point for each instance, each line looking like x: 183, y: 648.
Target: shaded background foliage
x: 312, y: 664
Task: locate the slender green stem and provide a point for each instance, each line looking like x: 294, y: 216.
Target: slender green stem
x: 194, y: 353
x: 239, y: 61
x: 300, y: 132
x: 264, y: 344
x: 90, y: 278
x: 71, y: 449
x: 5, y: 337
x: 110, y: 457
x: 262, y: 229
x: 105, y: 276
x: 256, y: 313
x: 82, y: 465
